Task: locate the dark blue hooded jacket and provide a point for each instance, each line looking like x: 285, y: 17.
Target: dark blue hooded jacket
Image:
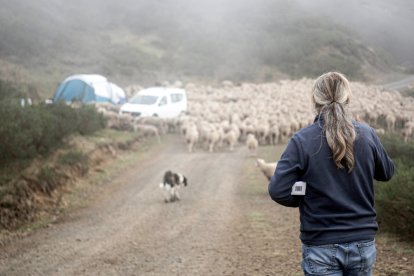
x: 338, y: 206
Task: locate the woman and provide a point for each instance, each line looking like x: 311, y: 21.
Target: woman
x: 337, y: 158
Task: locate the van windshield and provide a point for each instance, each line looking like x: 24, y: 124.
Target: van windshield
x: 143, y: 99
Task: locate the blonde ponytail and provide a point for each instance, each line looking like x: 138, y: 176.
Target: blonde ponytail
x: 331, y: 94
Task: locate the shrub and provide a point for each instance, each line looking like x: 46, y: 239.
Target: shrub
x: 75, y: 159
x: 19, y: 129
x: 395, y: 199
x: 48, y: 179
x: 397, y: 149
x: 89, y: 120
x: 8, y: 90
x: 32, y: 130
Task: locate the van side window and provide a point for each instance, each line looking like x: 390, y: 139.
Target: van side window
x: 176, y: 97
x: 163, y: 101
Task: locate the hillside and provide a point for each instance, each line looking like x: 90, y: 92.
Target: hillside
x: 143, y: 42
x: 381, y: 22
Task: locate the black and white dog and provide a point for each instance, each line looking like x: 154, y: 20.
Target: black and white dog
x: 171, y: 184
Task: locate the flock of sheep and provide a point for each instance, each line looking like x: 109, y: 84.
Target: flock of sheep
x: 265, y: 114
x: 221, y: 118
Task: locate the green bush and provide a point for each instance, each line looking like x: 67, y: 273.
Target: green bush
x: 88, y: 120
x: 48, y: 179
x: 8, y: 91
x: 75, y: 159
x: 19, y: 129
x: 72, y: 158
x: 397, y: 149
x: 395, y: 199
x: 32, y: 130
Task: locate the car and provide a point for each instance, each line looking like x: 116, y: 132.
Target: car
x: 163, y: 102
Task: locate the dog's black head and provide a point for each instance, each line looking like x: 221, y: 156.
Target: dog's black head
x: 174, y: 179
x: 170, y: 178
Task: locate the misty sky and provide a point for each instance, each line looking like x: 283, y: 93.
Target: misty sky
x: 218, y: 39
x: 384, y: 22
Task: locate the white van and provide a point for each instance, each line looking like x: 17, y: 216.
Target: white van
x: 163, y: 102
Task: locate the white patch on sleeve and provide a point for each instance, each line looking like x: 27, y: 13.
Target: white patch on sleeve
x: 299, y: 188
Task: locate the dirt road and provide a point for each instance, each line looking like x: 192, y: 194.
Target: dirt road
x: 225, y: 224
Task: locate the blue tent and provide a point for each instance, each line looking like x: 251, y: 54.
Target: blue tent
x: 89, y: 89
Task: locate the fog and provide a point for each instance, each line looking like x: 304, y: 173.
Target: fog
x: 228, y: 39
x: 384, y: 23
x: 388, y: 24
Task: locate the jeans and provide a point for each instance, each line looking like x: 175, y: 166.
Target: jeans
x: 353, y: 258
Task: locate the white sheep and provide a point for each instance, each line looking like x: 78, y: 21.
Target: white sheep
x: 125, y: 121
x: 408, y: 131
x: 279, y: 109
x: 147, y: 130
x: 268, y: 169
x: 390, y: 120
x: 262, y: 131
x: 191, y: 137
x: 230, y: 138
x: 274, y: 134
x: 214, y: 137
x: 111, y: 117
x: 284, y: 132
x: 252, y: 143
x: 159, y: 123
